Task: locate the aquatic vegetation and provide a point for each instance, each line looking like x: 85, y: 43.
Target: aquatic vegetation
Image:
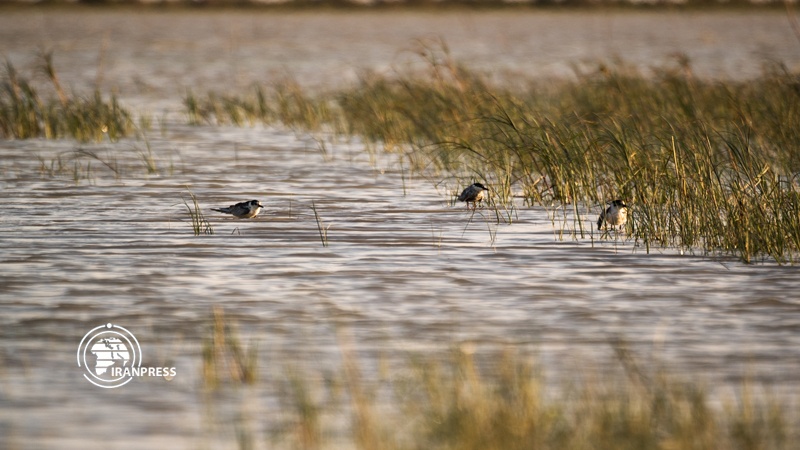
x: 477, y: 397
x: 148, y: 159
x: 200, y: 225
x: 323, y: 230
x: 225, y: 360
x: 117, y: 161
x: 77, y: 163
x: 709, y: 166
x: 285, y: 102
x: 25, y: 114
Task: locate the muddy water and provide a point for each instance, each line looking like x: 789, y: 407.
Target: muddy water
x: 97, y: 238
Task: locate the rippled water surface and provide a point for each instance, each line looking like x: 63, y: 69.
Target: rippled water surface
x: 405, y: 269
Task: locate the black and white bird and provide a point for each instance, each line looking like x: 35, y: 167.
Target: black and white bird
x: 473, y: 194
x: 615, y: 215
x: 243, y: 210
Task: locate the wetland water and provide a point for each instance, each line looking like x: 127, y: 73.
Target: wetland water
x: 405, y: 271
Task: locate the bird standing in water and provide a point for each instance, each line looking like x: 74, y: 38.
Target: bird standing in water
x: 615, y: 215
x: 473, y: 194
x: 243, y: 210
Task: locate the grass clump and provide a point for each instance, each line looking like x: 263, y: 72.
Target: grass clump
x: 200, y: 225
x: 25, y: 114
x: 708, y: 166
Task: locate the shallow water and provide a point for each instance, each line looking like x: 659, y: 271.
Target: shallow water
x: 405, y: 269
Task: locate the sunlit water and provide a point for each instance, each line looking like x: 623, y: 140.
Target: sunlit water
x: 102, y: 240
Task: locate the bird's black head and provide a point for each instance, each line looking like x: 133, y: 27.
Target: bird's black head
x: 255, y: 203
x: 619, y: 204
x: 478, y: 185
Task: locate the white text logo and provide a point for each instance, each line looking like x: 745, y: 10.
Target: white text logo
x: 111, y: 356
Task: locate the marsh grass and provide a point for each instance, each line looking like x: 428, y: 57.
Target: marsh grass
x: 88, y: 162
x: 77, y: 164
x: 499, y: 398
x: 707, y: 166
x: 200, y: 225
x: 148, y: 159
x: 225, y: 358
x: 109, y: 161
x: 284, y: 102
x: 323, y: 230
x: 492, y: 226
x: 24, y: 113
x: 71, y: 166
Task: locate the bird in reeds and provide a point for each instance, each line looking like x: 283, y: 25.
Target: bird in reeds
x: 615, y: 215
x: 242, y: 210
x: 473, y: 194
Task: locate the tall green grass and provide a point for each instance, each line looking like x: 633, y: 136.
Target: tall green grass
x: 25, y: 113
x: 708, y: 166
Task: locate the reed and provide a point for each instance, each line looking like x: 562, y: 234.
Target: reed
x: 284, y: 102
x: 200, y: 225
x: 109, y: 162
x: 225, y: 359
x: 110, y: 159
x: 708, y: 166
x: 25, y: 114
x: 148, y: 159
x: 323, y: 230
x: 477, y: 397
